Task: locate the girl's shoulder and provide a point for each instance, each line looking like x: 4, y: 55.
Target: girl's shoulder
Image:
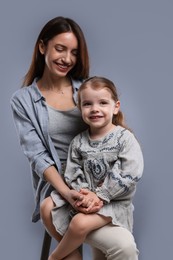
x: 121, y: 131
x: 80, y: 138
x: 123, y: 134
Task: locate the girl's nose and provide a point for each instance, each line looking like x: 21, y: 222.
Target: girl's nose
x: 94, y: 108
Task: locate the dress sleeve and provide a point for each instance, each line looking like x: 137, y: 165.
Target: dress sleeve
x: 30, y: 136
x: 120, y: 182
x: 74, y: 175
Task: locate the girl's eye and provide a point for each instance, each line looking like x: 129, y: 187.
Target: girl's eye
x: 103, y: 102
x: 86, y: 104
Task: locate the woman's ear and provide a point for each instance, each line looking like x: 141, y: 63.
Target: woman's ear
x: 117, y: 107
x: 41, y: 47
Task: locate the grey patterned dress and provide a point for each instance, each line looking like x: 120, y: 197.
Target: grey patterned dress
x: 110, y: 167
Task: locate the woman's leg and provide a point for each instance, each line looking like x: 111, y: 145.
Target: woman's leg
x: 80, y: 225
x: 45, y: 211
x: 114, y: 243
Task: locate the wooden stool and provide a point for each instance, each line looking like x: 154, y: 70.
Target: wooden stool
x: 45, y: 246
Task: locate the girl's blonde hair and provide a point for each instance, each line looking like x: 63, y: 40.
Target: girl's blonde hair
x: 99, y: 83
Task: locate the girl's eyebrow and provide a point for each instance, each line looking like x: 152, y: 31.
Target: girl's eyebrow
x: 86, y: 100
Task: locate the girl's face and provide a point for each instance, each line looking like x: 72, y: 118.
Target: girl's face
x: 98, y: 108
x: 60, y: 54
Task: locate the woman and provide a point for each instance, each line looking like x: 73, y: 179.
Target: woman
x: 47, y: 118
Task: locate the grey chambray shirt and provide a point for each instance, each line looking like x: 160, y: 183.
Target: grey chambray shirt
x: 31, y: 121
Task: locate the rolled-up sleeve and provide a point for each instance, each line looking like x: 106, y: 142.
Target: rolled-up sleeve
x: 30, y: 135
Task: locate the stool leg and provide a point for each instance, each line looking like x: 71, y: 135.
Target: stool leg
x: 81, y: 249
x: 45, y: 246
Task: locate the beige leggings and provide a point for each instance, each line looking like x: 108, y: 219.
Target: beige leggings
x: 112, y: 243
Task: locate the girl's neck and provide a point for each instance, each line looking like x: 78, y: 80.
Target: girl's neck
x: 98, y: 133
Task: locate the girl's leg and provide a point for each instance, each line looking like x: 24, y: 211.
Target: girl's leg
x: 75, y: 255
x: 115, y: 243
x: 45, y: 211
x: 79, y: 227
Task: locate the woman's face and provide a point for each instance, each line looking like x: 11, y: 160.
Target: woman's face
x: 60, y: 54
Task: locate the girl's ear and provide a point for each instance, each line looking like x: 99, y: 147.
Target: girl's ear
x: 41, y: 47
x: 117, y: 107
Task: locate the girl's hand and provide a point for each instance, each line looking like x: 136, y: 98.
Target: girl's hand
x: 90, y: 202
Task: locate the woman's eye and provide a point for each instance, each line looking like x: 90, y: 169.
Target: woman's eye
x: 59, y: 49
x: 75, y: 53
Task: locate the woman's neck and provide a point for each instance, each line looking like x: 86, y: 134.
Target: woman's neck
x: 56, y: 84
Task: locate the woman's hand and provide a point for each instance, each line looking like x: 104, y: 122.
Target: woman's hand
x: 90, y: 203
x: 74, y: 196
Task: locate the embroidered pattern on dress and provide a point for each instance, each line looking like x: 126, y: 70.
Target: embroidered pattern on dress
x: 97, y: 168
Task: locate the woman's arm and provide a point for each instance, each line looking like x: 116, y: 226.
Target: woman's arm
x: 30, y: 126
x: 51, y: 175
x: 33, y: 143
x: 34, y: 146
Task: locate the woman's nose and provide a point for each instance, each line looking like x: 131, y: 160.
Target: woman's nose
x: 67, y: 57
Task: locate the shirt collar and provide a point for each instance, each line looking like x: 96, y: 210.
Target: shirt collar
x: 38, y: 96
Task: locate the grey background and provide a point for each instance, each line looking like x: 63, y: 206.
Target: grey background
x: 130, y: 42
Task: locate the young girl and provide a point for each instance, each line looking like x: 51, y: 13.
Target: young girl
x: 105, y: 159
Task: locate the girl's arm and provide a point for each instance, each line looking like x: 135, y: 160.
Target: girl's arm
x: 76, y: 179
x: 120, y: 182
x: 74, y: 175
x: 94, y: 203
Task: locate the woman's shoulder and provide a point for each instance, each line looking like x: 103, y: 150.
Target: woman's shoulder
x: 76, y: 83
x: 20, y: 92
x: 26, y: 93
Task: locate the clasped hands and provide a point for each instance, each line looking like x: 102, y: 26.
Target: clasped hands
x: 86, y: 201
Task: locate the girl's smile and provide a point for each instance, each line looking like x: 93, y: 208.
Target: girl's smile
x: 98, y: 108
